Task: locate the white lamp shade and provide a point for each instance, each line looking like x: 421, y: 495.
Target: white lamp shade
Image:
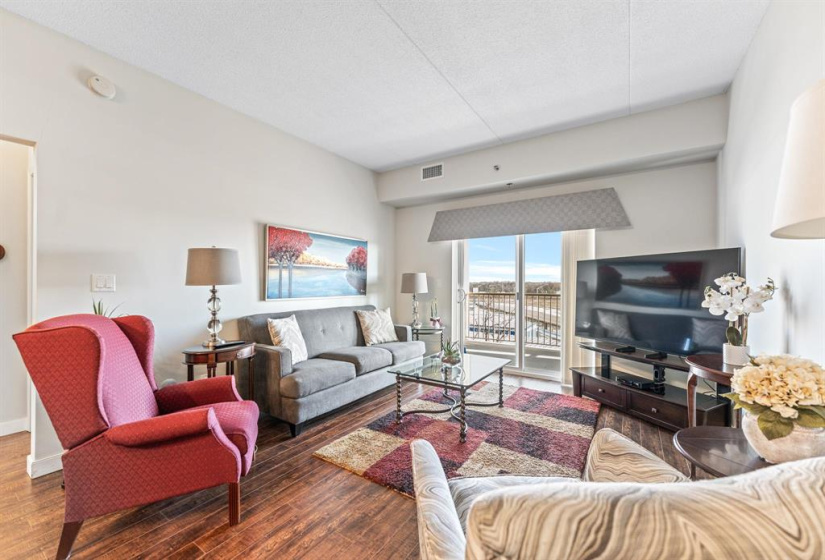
x: 799, y: 212
x: 213, y: 267
x: 414, y: 283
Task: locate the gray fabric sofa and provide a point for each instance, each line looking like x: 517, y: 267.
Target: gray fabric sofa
x: 629, y: 504
x: 340, y: 369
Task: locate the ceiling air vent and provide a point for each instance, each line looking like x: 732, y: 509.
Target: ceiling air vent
x: 432, y: 172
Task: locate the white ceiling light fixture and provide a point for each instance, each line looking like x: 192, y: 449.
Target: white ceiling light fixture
x: 799, y: 212
x: 102, y: 86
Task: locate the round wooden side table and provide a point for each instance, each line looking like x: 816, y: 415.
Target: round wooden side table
x: 198, y: 355
x: 717, y: 450
x: 712, y: 368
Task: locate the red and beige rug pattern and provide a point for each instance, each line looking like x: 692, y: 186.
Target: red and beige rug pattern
x: 536, y: 433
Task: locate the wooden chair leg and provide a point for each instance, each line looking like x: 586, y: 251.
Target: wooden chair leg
x: 67, y: 537
x: 234, y: 503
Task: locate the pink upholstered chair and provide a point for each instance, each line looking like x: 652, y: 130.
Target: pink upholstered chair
x: 126, y: 442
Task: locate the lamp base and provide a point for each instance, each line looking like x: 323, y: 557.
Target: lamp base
x: 212, y: 344
x: 214, y: 326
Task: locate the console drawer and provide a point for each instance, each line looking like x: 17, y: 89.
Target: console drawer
x: 658, y: 410
x: 603, y: 391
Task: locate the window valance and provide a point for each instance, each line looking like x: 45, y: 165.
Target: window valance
x: 598, y: 209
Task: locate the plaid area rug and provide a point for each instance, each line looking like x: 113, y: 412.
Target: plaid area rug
x: 535, y: 434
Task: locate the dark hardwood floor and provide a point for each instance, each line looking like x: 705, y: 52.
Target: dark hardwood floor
x: 293, y: 505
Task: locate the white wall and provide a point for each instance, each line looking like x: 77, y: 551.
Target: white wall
x: 14, y: 186
x: 126, y: 186
x: 786, y: 56
x: 690, y: 131
x: 671, y: 209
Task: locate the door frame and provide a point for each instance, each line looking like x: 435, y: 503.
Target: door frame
x: 460, y: 286
x: 31, y: 255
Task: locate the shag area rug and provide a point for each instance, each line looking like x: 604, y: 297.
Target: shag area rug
x: 535, y: 434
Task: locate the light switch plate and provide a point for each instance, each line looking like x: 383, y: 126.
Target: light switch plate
x: 103, y: 283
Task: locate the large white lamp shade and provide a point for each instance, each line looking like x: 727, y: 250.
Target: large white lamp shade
x: 799, y: 212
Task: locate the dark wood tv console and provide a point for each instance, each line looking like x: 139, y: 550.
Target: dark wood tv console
x: 667, y: 408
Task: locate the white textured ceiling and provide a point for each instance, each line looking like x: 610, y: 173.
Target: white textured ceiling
x: 388, y: 83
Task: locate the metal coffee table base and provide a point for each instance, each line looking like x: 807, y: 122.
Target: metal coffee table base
x: 459, y: 404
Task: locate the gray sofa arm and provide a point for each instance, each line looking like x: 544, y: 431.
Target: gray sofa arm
x: 271, y: 364
x: 614, y: 458
x: 439, y: 530
x: 403, y: 332
x: 280, y: 359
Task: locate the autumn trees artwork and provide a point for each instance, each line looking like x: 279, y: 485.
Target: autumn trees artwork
x: 285, y: 246
x: 308, y: 264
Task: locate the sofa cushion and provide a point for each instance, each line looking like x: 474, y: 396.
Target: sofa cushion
x: 466, y: 490
x: 315, y: 375
x: 286, y: 333
x: 377, y: 326
x: 364, y: 358
x: 403, y: 351
x: 323, y: 329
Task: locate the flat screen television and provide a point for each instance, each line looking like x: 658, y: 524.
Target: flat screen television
x: 653, y: 302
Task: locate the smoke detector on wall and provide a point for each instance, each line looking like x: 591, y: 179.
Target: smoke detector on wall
x: 102, y: 87
x: 432, y: 172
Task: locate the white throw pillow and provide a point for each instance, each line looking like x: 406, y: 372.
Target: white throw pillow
x: 377, y: 326
x: 287, y: 333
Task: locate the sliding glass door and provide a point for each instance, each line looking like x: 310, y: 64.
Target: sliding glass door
x: 542, y: 303
x: 491, y: 308
x: 512, y: 307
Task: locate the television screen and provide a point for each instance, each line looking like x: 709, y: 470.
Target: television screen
x: 653, y: 302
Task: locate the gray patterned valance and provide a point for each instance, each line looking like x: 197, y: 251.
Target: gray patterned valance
x: 599, y: 209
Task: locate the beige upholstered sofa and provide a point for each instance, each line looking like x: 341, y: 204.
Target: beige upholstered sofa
x: 629, y: 504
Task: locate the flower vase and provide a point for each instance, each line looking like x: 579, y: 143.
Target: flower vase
x: 801, y: 443
x: 736, y: 355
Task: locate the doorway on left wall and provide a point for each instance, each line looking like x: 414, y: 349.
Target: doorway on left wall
x: 16, y: 177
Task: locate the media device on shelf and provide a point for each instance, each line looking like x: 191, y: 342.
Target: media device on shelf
x: 637, y: 383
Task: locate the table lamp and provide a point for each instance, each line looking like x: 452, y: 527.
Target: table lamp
x: 799, y: 212
x: 213, y: 267
x: 414, y: 283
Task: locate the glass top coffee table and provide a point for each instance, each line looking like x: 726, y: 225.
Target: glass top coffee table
x: 472, y: 370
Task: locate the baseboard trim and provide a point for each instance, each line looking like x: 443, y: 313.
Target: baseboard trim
x: 44, y: 466
x: 14, y: 426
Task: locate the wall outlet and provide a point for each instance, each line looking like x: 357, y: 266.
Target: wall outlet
x: 103, y: 282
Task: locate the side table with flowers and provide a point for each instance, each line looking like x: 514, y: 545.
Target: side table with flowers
x: 783, y: 399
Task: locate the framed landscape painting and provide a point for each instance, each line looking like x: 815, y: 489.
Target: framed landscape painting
x: 308, y: 264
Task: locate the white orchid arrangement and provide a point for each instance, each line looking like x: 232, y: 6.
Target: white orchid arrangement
x: 781, y: 391
x: 736, y: 301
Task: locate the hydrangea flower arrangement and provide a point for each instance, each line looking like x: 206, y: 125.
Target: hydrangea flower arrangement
x: 736, y: 301
x: 781, y: 391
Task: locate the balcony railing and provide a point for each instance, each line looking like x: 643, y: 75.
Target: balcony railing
x: 491, y: 317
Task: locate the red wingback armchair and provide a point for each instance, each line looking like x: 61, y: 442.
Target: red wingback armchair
x: 126, y: 442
